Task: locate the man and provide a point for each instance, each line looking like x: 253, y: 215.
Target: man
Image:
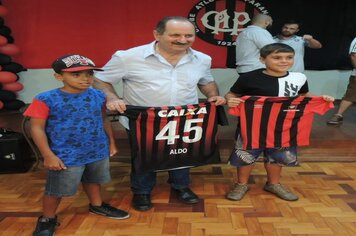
x: 350, y: 94
x: 250, y: 41
x: 298, y: 43
x: 165, y: 72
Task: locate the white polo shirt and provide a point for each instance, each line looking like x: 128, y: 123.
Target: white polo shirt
x: 149, y: 80
x: 248, y: 45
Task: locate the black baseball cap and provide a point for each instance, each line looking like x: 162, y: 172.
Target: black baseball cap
x: 72, y: 63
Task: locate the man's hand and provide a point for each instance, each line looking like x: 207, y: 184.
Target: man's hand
x: 234, y: 102
x: 328, y: 98
x: 116, y: 105
x: 312, y: 42
x: 218, y: 100
x: 307, y: 37
x: 53, y: 163
x: 113, y: 149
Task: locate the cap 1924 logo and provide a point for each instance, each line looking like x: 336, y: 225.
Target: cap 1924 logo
x: 220, y: 21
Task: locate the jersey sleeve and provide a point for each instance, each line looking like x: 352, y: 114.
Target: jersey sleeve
x: 37, y: 109
x: 320, y: 106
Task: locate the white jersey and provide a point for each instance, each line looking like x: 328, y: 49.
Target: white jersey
x: 353, y: 50
x: 248, y: 45
x: 298, y: 44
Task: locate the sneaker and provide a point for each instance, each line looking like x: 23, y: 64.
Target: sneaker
x: 108, y: 211
x: 335, y: 120
x: 45, y: 226
x: 280, y: 191
x: 238, y: 192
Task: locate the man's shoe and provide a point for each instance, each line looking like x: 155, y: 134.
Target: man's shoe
x: 45, y: 226
x: 108, y: 211
x: 238, y: 192
x: 186, y: 195
x: 335, y: 120
x: 142, y: 202
x: 280, y: 191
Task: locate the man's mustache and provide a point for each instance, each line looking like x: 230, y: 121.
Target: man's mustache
x: 178, y: 43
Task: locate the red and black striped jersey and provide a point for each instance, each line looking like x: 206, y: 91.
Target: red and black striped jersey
x: 164, y: 138
x: 268, y: 122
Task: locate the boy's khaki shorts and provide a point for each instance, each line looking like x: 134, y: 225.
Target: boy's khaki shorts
x: 350, y: 94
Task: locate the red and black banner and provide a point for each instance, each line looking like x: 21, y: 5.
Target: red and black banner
x: 46, y: 29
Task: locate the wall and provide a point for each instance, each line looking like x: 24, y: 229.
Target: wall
x: 332, y: 82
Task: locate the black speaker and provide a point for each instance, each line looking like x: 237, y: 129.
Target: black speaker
x: 16, y: 155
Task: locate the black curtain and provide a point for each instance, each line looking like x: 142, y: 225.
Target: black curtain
x: 331, y: 22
